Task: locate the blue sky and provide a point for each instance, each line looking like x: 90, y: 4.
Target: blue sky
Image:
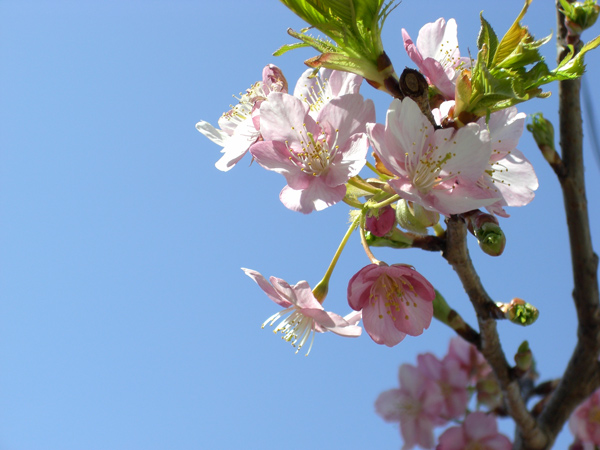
x: 125, y: 320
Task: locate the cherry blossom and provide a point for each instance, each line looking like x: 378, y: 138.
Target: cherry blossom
x: 469, y: 359
x: 436, y: 54
x: 395, y: 301
x: 380, y: 222
x: 317, y: 157
x: 438, y: 169
x: 303, y: 314
x: 318, y: 89
x: 585, y: 420
x: 415, y: 405
x: 510, y: 173
x: 452, y: 381
x: 238, y: 128
x: 478, y: 431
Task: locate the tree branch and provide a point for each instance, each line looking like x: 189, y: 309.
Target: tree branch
x: 581, y: 376
x: 457, y: 255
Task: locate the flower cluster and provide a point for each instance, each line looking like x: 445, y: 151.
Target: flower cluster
x: 434, y: 392
x: 318, y: 137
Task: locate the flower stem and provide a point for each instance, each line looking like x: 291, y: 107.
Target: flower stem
x: 358, y: 182
x: 320, y: 290
x: 363, y: 241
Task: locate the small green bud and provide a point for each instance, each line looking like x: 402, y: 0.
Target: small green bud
x: 519, y: 311
x: 488, y: 392
x: 485, y: 228
x: 524, y: 357
x: 413, y: 217
x: 542, y: 131
x: 579, y: 16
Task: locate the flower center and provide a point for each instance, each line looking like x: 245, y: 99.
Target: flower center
x: 387, y: 292
x: 426, y: 167
x: 315, y: 154
x: 296, y: 328
x: 240, y: 112
x: 318, y: 95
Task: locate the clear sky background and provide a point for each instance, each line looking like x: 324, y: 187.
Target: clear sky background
x: 125, y: 320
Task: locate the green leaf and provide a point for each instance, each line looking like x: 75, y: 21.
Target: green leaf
x: 286, y: 48
x: 515, y: 34
x: 488, y: 37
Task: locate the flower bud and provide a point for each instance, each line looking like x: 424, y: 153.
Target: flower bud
x: 579, y: 16
x: 520, y: 312
x: 485, y: 228
x: 380, y: 221
x: 413, y: 217
x: 542, y: 130
x: 394, y: 239
x: 524, y: 357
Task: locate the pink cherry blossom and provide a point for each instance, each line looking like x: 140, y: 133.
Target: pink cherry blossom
x: 436, y: 54
x: 324, y: 86
x: 510, y: 173
x: 395, y: 301
x: 585, y: 420
x: 452, y: 381
x: 238, y: 128
x: 415, y: 405
x: 317, y: 157
x: 478, y: 431
x: 469, y: 359
x: 438, y: 169
x: 305, y: 315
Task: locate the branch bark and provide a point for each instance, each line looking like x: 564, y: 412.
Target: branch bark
x: 457, y: 255
x: 581, y: 376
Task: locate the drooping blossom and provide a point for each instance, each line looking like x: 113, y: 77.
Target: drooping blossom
x: 238, y: 128
x: 478, y: 431
x: 415, y: 405
x: 318, y: 155
x: 453, y: 383
x: 469, y: 359
x: 438, y: 169
x: 324, y: 86
x: 436, y: 54
x: 585, y: 420
x: 303, y: 315
x: 395, y: 301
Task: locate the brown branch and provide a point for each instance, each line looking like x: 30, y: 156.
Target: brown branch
x: 581, y: 376
x: 457, y: 255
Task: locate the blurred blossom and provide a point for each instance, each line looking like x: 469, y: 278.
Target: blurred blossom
x: 452, y: 380
x: 478, y: 431
x: 585, y: 420
x: 470, y: 360
x: 416, y: 405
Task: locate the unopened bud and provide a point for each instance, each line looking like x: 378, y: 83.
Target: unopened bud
x: 485, y: 228
x: 413, y: 217
x: 519, y: 311
x: 579, y: 16
x: 394, y: 239
x: 273, y: 78
x: 524, y: 357
x: 380, y: 221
